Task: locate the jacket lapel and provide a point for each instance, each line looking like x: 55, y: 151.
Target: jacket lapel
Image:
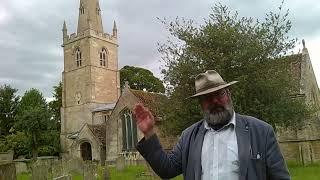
x: 196, y: 150
x: 243, y: 141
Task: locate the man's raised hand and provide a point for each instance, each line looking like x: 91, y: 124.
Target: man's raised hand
x: 145, y: 119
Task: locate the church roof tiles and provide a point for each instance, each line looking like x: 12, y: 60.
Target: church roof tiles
x: 99, y: 131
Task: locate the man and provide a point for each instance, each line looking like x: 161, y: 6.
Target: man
x: 223, y: 146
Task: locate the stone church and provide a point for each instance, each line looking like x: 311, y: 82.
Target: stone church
x: 96, y: 122
x: 303, y: 144
x: 91, y: 84
x: 96, y: 119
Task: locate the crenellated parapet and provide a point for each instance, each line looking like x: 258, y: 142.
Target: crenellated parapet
x: 90, y: 33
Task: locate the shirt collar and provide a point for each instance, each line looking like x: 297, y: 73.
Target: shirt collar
x: 232, y: 121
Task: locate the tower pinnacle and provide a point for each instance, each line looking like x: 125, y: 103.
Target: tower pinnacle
x: 89, y: 16
x: 65, y: 31
x: 114, y: 30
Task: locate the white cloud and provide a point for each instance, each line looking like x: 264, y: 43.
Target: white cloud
x: 4, y: 16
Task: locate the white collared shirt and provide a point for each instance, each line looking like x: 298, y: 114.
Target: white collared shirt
x: 219, y: 156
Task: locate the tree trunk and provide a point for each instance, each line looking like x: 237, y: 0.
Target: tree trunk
x: 34, y: 146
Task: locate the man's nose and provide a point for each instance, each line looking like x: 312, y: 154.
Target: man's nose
x: 214, y: 100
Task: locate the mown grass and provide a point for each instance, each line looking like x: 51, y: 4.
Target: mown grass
x: 308, y: 172
x: 24, y: 176
x: 140, y: 172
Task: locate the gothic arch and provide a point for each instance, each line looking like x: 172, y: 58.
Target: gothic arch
x: 103, y: 57
x: 78, y: 56
x: 86, y: 150
x: 129, y: 130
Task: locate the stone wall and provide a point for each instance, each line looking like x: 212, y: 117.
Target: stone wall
x: 304, y: 152
x: 114, y: 130
x: 114, y: 125
x: 86, y: 136
x: 6, y: 156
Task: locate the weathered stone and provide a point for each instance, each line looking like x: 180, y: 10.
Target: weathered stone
x: 40, y: 170
x: 64, y: 177
x: 89, y: 85
x: 120, y: 163
x: 57, y: 169
x: 75, y: 165
x: 6, y: 156
x: 21, y: 167
x: 7, y: 171
x: 106, y: 174
x: 90, y: 171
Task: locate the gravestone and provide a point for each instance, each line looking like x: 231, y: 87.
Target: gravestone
x: 21, y: 167
x: 57, y: 169
x: 106, y: 174
x: 74, y: 165
x: 7, y: 171
x: 90, y: 171
x: 40, y: 170
x: 120, y: 163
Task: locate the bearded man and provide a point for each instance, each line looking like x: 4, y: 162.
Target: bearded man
x: 223, y: 145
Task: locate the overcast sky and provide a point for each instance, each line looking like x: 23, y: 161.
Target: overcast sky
x: 30, y: 32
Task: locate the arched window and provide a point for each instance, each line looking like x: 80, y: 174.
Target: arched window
x: 81, y: 10
x: 129, y: 131
x: 103, y: 57
x: 78, y: 57
x: 98, y: 11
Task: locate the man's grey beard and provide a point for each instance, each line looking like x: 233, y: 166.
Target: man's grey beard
x: 222, y: 117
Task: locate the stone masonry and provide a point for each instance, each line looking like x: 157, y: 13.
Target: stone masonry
x: 90, y: 77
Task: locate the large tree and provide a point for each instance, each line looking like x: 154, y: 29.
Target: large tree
x: 55, y: 105
x: 239, y: 48
x: 33, y: 118
x: 8, y: 105
x: 140, y: 78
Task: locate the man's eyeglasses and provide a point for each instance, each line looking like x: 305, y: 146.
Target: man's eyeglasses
x: 217, y: 94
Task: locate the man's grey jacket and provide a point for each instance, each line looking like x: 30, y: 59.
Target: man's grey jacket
x: 258, y: 150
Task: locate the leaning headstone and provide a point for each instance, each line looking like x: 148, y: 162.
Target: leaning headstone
x: 120, y: 163
x: 7, y: 171
x: 40, y: 170
x: 106, y: 174
x: 57, y: 169
x: 74, y: 165
x: 90, y: 171
x: 22, y: 165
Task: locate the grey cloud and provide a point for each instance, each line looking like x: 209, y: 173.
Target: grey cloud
x: 30, y: 38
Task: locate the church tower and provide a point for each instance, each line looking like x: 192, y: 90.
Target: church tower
x: 90, y: 77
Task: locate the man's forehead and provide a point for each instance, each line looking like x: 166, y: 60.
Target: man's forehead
x: 215, y: 93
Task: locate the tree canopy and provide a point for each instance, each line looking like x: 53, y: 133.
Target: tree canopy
x: 245, y: 49
x: 140, y: 78
x: 8, y: 106
x: 55, y: 105
x: 33, y: 118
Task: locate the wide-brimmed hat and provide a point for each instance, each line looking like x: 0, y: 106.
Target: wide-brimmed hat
x: 209, y: 82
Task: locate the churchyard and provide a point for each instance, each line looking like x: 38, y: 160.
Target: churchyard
x: 52, y: 168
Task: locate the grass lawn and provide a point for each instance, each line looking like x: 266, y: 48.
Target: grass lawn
x: 298, y: 172
x: 310, y: 172
x: 24, y: 176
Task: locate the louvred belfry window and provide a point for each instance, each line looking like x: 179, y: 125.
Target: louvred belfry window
x: 78, y: 57
x: 103, y: 57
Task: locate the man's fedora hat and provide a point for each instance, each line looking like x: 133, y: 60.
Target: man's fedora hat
x: 209, y: 82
